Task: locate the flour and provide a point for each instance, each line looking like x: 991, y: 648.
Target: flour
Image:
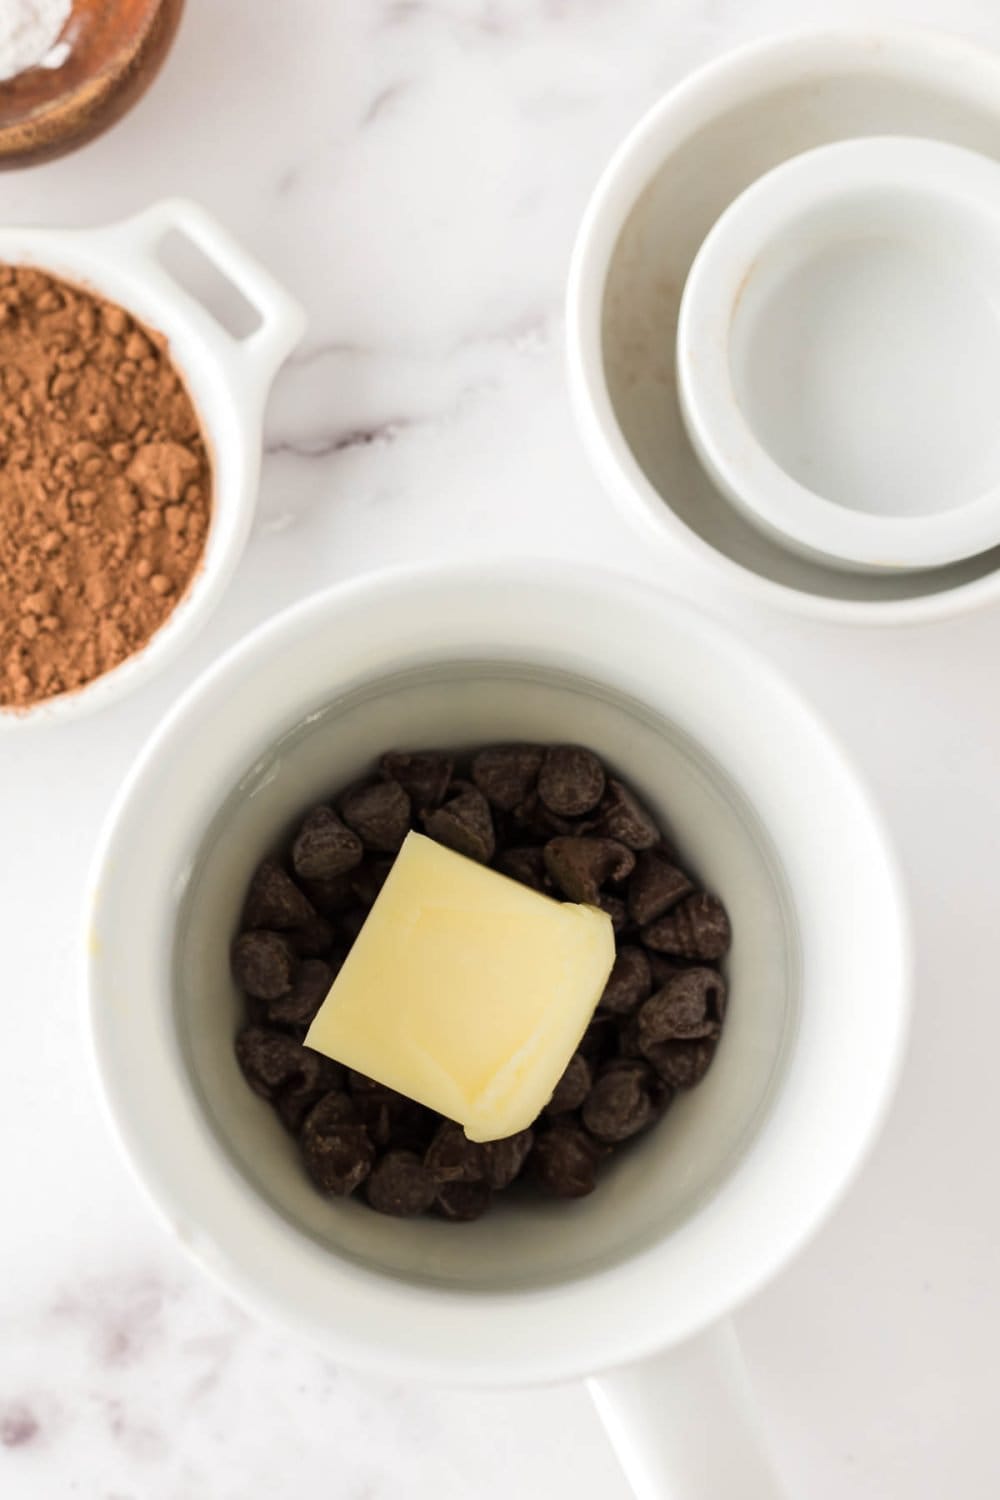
x: 29, y: 35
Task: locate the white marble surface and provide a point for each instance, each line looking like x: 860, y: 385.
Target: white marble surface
x: 415, y: 170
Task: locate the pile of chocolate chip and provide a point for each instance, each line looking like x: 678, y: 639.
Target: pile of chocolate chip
x: 553, y: 819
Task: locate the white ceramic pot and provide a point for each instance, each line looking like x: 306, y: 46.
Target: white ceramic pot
x: 227, y: 378
x: 695, y: 1216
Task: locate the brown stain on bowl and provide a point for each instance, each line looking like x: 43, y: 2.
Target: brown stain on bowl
x: 741, y: 289
x: 116, y: 50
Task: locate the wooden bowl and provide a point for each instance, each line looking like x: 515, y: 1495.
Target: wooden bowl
x: 116, y: 50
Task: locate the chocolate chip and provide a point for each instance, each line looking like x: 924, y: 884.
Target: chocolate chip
x: 526, y: 866
x: 377, y: 1113
x: 564, y: 1161
x: 628, y: 1039
x: 350, y: 923
x: 278, y: 1068
x: 656, y: 886
x: 400, y: 1184
x: 464, y: 823
x: 662, y: 968
x: 412, y: 1126
x: 571, y: 781
x: 379, y: 1107
x: 379, y: 815
x: 600, y: 1040
x: 325, y: 847
x: 330, y: 897
x: 622, y: 816
x: 682, y: 1064
x: 580, y: 867
x: 268, y: 1059
x: 698, y: 928
x: 337, y: 1151
x: 620, y: 1103
x: 309, y: 989
x: 335, y: 1108
x: 660, y: 1093
x: 463, y: 1201
x: 369, y: 878
x: 360, y: 1083
x: 274, y: 900
x: 534, y: 821
x: 572, y: 1088
x: 616, y: 909
x: 686, y: 1008
x: 264, y: 964
x: 452, y: 1157
x: 294, y: 1103
x: 424, y: 775
x: 506, y: 775
x: 506, y: 1157
x: 314, y: 938
x: 629, y: 983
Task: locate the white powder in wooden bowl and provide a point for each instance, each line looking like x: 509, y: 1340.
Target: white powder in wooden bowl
x: 29, y: 35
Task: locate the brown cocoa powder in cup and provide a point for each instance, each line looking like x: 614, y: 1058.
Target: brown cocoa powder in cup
x: 105, y: 486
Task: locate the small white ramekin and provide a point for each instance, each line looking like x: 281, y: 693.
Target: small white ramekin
x: 228, y: 380
x: 838, y: 353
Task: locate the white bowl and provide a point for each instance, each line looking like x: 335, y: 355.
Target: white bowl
x: 228, y: 380
x: 680, y: 168
x: 699, y: 1213
x: 838, y: 353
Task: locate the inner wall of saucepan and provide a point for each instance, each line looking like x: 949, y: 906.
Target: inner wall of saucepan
x: 525, y: 1240
x: 865, y: 353
x: 700, y: 177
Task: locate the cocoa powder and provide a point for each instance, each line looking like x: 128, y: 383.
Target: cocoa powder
x: 105, y: 486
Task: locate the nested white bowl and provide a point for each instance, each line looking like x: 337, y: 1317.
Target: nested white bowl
x: 838, y: 353
x: 684, y: 163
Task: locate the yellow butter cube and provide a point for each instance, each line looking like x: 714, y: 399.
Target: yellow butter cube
x: 465, y: 990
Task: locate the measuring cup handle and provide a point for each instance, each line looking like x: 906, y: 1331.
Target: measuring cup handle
x: 252, y: 362
x: 685, y: 1425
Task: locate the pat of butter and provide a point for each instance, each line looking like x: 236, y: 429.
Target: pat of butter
x: 465, y: 990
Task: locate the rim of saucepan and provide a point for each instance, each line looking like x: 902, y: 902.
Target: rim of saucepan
x: 957, y: 183
x: 81, y: 257
x: 736, y: 77
x: 735, y: 1241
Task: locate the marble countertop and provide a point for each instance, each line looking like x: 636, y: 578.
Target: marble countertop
x: 415, y: 170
